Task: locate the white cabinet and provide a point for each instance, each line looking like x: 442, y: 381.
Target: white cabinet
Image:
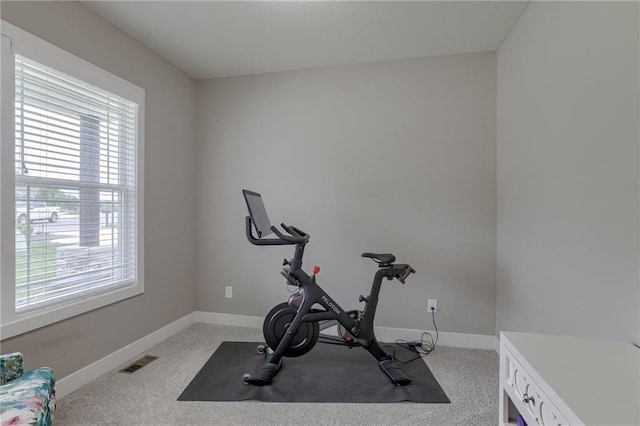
x: 555, y: 380
x: 526, y: 395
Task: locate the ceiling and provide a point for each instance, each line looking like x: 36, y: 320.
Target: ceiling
x: 210, y: 39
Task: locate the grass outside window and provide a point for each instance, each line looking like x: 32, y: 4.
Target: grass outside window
x: 37, y: 266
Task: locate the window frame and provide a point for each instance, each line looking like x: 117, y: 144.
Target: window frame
x: 17, y: 41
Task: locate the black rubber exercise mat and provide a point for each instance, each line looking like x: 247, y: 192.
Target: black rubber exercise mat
x: 328, y: 373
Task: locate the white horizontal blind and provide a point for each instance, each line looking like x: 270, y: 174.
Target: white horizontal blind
x: 75, y: 162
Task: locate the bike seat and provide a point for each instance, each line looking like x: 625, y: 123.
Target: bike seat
x: 381, y: 258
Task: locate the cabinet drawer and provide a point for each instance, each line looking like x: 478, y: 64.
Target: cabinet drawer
x: 527, y: 396
x: 541, y: 407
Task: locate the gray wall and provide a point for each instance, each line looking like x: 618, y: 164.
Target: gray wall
x: 568, y: 171
x: 169, y: 191
x: 395, y: 156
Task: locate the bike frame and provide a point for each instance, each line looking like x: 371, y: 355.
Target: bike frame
x: 361, y: 329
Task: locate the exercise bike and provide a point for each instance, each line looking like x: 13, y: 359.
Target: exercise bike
x: 291, y: 329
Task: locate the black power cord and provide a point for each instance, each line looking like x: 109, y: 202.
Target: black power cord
x: 422, y: 348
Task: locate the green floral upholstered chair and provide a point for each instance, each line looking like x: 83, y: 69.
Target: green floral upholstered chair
x: 26, y: 398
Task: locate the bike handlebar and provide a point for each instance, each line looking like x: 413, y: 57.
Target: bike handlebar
x: 295, y: 236
x: 405, y: 274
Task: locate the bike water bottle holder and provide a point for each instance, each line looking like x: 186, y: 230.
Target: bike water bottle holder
x: 290, y: 279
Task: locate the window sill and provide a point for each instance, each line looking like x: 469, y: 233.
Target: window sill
x: 43, y: 317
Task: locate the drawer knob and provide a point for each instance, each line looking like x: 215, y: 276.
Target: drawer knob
x: 526, y: 399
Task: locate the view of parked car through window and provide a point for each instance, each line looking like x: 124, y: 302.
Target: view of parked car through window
x: 38, y: 210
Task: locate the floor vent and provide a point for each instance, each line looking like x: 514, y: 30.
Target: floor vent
x: 137, y: 365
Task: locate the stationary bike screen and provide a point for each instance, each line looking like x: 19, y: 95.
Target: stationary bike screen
x: 258, y: 213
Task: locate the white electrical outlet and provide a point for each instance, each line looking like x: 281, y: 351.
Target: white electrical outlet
x: 432, y: 305
x: 228, y: 292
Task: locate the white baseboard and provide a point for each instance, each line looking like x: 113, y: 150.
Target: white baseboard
x: 118, y: 358
x: 92, y: 371
x: 384, y: 334
x: 229, y: 319
x: 445, y: 338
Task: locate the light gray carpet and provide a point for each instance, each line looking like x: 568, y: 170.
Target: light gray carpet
x: 149, y: 397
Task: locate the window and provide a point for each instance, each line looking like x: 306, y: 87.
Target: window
x: 71, y: 185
